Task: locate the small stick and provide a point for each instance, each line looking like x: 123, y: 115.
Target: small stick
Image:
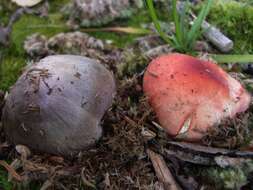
x: 162, y: 171
x: 216, y: 37
x: 211, y: 33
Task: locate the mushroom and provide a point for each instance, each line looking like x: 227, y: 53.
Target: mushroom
x: 191, y: 96
x: 26, y: 3
x: 56, y: 106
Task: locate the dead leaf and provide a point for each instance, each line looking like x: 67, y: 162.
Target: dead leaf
x: 162, y: 172
x: 128, y: 30
x: 56, y: 159
x: 203, y: 155
x: 199, y: 149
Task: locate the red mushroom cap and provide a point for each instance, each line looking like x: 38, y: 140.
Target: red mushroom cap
x: 190, y: 95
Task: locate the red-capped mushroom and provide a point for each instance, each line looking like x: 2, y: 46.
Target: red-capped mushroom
x: 190, y: 95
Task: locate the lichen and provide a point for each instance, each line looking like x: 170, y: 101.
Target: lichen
x: 232, y: 177
x: 228, y: 178
x: 99, y: 12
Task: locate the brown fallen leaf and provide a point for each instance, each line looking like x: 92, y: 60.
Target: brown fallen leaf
x: 56, y: 159
x: 189, y: 157
x: 11, y: 171
x: 203, y: 155
x: 199, y: 149
x: 162, y: 172
x: 128, y: 30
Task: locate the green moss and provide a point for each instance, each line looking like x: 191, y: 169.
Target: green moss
x: 4, y: 184
x: 30, y: 24
x: 10, y: 70
x: 131, y: 64
x: 232, y: 178
x: 223, y: 178
x: 6, y: 9
x: 235, y: 19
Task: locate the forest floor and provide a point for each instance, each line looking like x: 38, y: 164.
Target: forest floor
x: 120, y: 159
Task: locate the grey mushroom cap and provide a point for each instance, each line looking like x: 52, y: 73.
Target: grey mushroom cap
x: 56, y: 106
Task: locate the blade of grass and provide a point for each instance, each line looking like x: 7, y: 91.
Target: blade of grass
x: 184, y: 24
x: 195, y: 30
x: 154, y: 18
x: 183, y: 20
x: 178, y: 28
x: 232, y: 58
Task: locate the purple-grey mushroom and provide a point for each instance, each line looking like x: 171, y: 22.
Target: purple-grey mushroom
x: 56, y: 106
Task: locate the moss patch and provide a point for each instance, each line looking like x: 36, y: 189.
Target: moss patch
x: 4, y: 184
x: 231, y: 178
x: 10, y: 69
x: 235, y: 19
x: 29, y: 24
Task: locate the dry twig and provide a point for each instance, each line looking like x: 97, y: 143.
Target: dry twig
x: 162, y: 172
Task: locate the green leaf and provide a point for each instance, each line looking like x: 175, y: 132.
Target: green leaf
x: 179, y: 32
x: 153, y: 15
x: 128, y: 30
x: 232, y: 58
x: 195, y: 30
x: 184, y: 21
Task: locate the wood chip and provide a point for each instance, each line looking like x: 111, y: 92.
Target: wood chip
x: 162, y: 172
